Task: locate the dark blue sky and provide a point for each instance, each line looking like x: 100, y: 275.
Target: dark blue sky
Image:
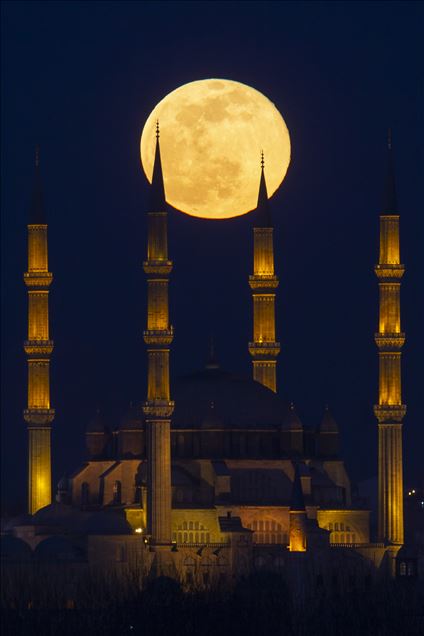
x: 80, y: 80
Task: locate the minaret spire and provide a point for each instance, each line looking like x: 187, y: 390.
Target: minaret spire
x: 158, y: 337
x: 38, y: 348
x: 264, y: 349
x: 390, y: 339
x: 263, y: 212
x: 157, y: 188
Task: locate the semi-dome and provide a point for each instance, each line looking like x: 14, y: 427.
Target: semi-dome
x: 238, y: 402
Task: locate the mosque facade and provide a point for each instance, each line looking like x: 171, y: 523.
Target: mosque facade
x: 221, y: 477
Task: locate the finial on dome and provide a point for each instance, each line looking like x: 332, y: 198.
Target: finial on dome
x: 262, y: 160
x: 157, y: 129
x: 389, y: 138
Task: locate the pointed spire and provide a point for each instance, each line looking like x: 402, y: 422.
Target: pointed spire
x: 157, y: 188
x: 297, y: 500
x: 389, y: 196
x: 263, y: 212
x: 37, y: 214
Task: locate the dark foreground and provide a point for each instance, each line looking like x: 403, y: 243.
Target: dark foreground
x: 261, y: 604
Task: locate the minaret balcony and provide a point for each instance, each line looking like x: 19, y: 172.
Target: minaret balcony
x: 158, y: 268
x: 390, y: 413
x: 264, y: 350
x: 389, y: 341
x: 158, y: 409
x: 387, y: 272
x: 263, y: 282
x: 38, y: 348
x: 38, y: 417
x: 158, y: 336
x: 39, y: 280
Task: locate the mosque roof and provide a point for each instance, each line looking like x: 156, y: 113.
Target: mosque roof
x: 215, y: 397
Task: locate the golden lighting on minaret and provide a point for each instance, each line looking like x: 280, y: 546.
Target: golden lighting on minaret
x: 38, y: 348
x: 158, y: 337
x: 390, y: 339
x: 264, y: 349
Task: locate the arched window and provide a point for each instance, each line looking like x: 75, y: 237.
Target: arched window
x: 402, y: 569
x: 117, y: 492
x: 85, y: 493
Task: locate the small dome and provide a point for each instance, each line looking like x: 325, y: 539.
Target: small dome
x: 98, y: 424
x: 58, y: 549
x: 105, y: 522
x: 292, y: 421
x: 14, y: 550
x: 132, y: 419
x: 328, y: 423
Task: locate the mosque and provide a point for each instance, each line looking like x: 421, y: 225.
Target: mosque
x: 221, y: 477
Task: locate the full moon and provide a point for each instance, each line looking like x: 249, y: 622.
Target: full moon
x: 212, y: 133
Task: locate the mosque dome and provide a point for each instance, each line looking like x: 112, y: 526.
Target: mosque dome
x: 238, y: 402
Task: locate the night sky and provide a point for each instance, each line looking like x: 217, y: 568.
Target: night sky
x: 80, y: 80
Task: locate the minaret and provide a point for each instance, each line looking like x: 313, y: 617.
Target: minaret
x: 390, y: 411
x: 264, y: 349
x: 158, y: 336
x: 38, y: 348
x: 297, y: 516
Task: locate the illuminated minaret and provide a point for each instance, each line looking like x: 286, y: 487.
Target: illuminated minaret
x: 390, y: 411
x: 38, y: 348
x: 264, y: 349
x: 158, y: 336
